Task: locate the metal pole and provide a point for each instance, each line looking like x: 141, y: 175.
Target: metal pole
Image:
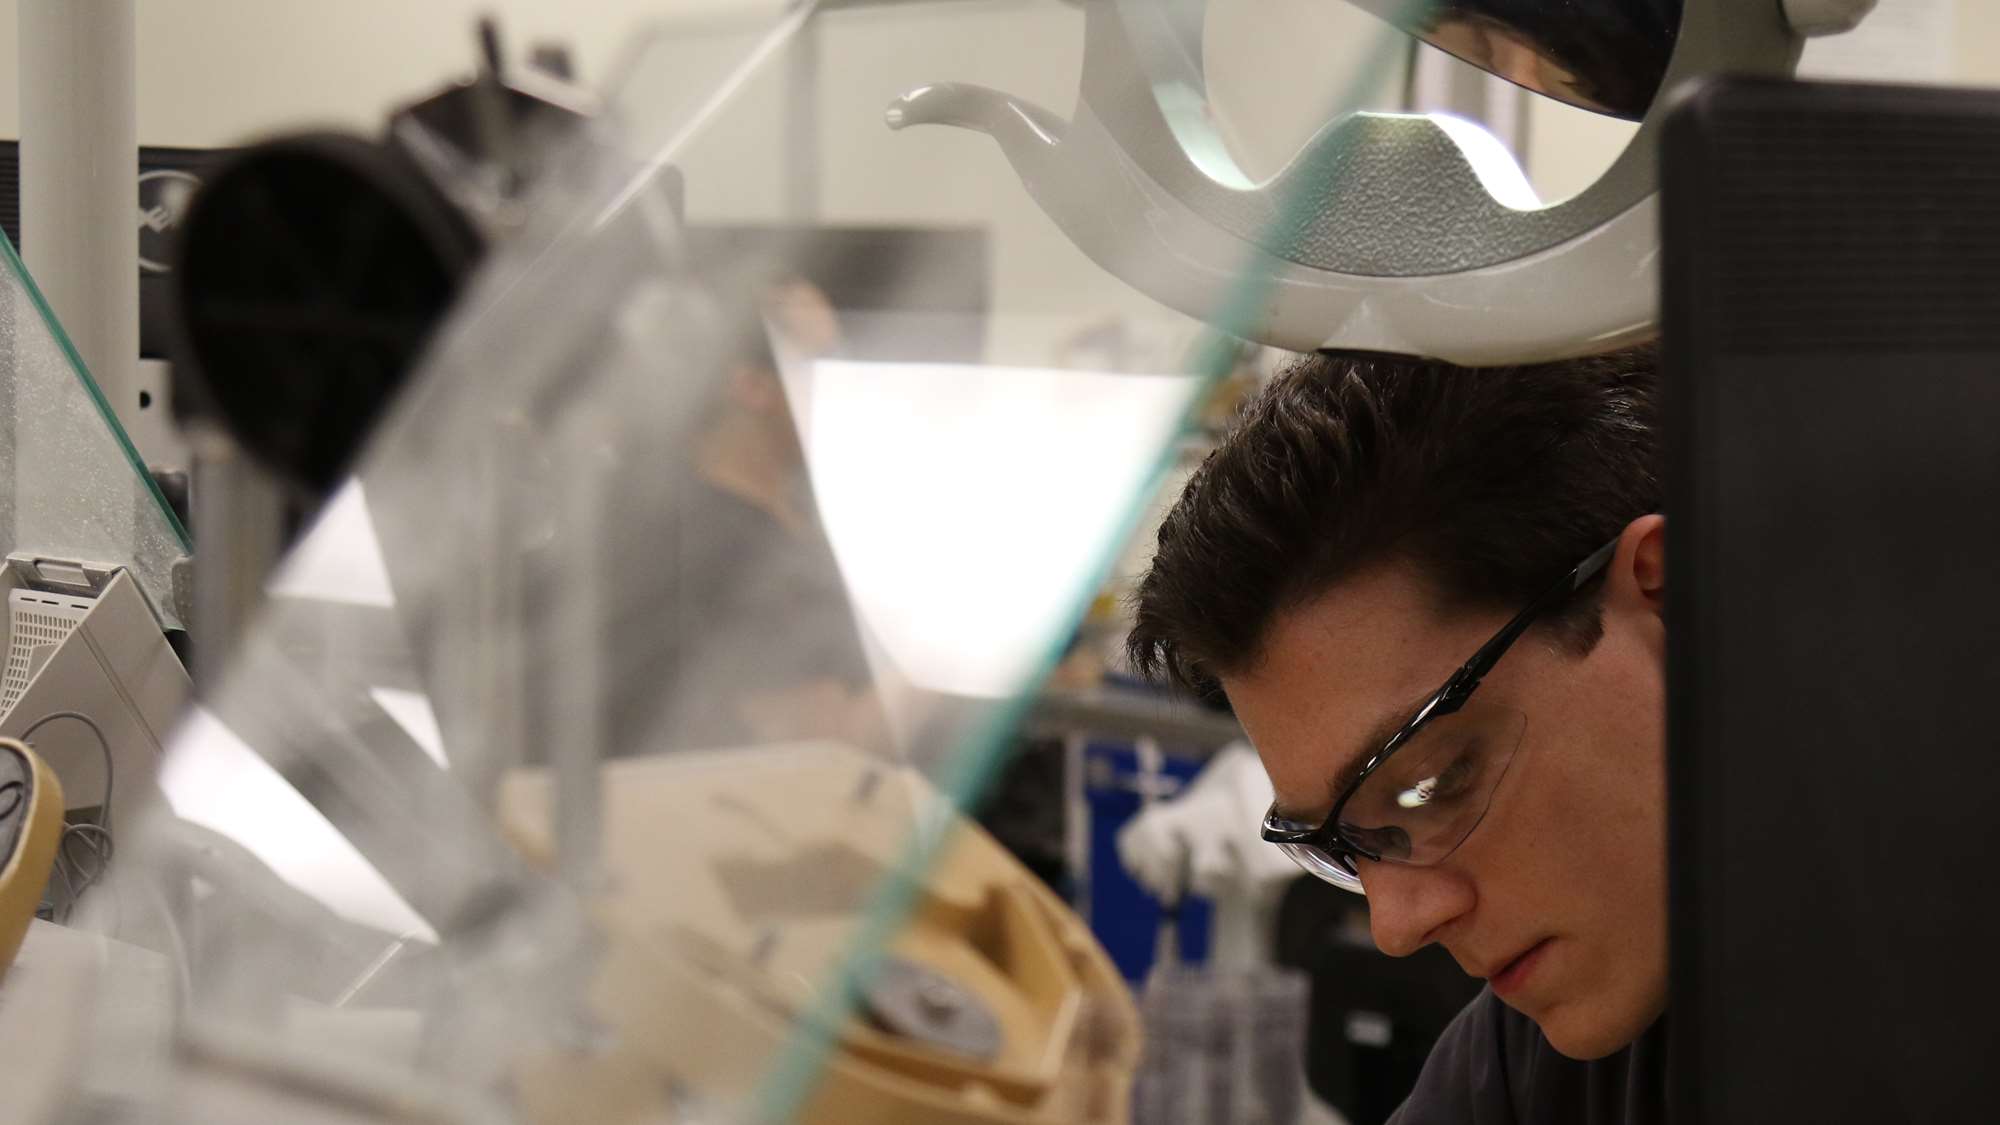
x: 79, y: 173
x: 1076, y: 821
x: 240, y: 511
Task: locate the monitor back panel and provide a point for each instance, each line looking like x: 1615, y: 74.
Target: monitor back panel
x: 1831, y: 306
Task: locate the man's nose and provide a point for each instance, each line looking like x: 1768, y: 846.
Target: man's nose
x: 1406, y: 905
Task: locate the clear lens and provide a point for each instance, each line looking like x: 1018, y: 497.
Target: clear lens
x: 1321, y: 865
x: 1428, y: 797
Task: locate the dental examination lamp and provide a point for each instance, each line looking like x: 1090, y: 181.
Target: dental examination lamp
x: 1409, y: 233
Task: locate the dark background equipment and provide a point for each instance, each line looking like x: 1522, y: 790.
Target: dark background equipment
x: 311, y: 269
x: 307, y: 278
x: 311, y: 272
x: 1832, y: 321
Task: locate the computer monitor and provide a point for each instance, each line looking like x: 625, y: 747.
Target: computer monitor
x: 1831, y: 315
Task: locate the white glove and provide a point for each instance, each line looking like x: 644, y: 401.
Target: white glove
x: 1205, y: 841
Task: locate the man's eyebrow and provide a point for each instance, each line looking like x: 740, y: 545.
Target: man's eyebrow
x: 1371, y: 743
x: 1379, y: 732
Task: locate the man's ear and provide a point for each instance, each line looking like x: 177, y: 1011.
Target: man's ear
x: 1639, y: 567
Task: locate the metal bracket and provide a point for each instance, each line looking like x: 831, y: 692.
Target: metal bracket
x: 83, y: 579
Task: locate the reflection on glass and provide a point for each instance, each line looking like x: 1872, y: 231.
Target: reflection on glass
x: 1609, y: 57
x: 215, y: 781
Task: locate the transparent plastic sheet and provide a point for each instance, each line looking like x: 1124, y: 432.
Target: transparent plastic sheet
x: 78, y: 490
x: 710, y: 561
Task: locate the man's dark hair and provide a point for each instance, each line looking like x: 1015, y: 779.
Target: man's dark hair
x: 1492, y: 482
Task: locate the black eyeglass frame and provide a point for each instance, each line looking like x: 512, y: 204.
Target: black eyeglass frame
x: 1326, y: 837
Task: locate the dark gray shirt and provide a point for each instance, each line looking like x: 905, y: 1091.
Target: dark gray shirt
x: 1493, y: 1067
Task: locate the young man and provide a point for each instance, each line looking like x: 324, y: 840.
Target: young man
x: 1434, y: 597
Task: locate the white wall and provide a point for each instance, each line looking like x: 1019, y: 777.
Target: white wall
x: 1976, y: 50
x: 217, y: 71
x: 1277, y: 69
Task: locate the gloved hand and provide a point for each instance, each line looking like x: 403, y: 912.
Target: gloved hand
x: 1205, y: 841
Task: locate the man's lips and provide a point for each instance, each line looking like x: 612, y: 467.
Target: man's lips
x: 1514, y: 972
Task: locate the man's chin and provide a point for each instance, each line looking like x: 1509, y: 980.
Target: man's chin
x: 1578, y: 1033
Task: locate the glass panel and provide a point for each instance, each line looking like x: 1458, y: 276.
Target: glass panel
x: 78, y: 490
x: 616, y: 728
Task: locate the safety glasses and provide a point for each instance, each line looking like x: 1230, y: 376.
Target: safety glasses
x: 1417, y: 798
